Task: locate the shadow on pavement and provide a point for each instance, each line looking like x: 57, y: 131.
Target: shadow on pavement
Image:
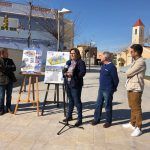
x: 120, y: 116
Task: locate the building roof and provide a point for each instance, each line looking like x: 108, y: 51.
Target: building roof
x: 138, y: 23
x: 21, y: 9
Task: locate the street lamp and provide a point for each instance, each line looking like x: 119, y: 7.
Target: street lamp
x: 29, y: 23
x: 63, y: 11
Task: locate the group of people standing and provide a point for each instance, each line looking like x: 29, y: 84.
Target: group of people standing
x: 108, y: 83
x: 7, y: 78
x: 73, y: 75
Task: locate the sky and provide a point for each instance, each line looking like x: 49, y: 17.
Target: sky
x: 105, y: 23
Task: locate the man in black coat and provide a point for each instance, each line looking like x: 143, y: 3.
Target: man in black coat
x: 3, y: 82
x: 9, y: 72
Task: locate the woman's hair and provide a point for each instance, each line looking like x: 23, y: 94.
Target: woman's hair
x: 78, y: 55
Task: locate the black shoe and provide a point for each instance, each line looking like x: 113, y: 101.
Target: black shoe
x: 78, y: 123
x: 2, y: 112
x: 95, y: 122
x: 67, y: 119
x: 107, y: 125
x: 9, y: 110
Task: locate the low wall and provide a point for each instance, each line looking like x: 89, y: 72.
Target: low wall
x: 147, y: 73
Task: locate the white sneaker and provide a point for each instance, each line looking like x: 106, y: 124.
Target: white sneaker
x: 128, y: 125
x: 136, y: 132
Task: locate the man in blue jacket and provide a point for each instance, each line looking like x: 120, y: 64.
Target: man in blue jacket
x: 108, y: 85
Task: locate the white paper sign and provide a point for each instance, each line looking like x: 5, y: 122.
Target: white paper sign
x: 55, y: 63
x: 31, y: 61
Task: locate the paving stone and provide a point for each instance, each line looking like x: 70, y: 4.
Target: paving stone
x: 26, y: 131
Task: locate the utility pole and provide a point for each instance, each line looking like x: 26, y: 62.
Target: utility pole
x: 58, y: 30
x: 29, y: 24
x: 90, y: 57
x: 29, y: 32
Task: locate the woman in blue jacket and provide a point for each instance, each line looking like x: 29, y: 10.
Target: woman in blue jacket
x: 74, y: 82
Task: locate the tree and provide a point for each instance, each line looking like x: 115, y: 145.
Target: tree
x: 66, y: 32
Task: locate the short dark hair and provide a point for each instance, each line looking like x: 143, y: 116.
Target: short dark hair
x: 137, y: 48
x: 77, y: 52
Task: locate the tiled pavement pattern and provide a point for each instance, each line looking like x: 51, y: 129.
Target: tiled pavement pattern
x: 26, y: 131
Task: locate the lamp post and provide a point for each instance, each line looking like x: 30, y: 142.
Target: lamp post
x: 29, y: 24
x: 63, y: 11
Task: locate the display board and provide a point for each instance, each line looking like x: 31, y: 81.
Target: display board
x: 55, y: 63
x: 31, y: 60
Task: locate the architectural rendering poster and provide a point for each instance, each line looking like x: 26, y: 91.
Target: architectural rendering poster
x: 55, y: 62
x: 31, y: 61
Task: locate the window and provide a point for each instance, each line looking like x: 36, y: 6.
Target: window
x: 1, y: 21
x: 141, y: 32
x: 12, y: 24
x: 135, y: 31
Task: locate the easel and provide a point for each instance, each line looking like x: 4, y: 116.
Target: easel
x: 33, y: 78
x: 56, y: 97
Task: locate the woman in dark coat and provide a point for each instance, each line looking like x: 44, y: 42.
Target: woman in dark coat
x: 76, y: 70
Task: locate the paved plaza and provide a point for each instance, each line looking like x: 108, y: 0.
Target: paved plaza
x: 26, y: 131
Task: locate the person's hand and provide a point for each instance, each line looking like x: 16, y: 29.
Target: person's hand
x: 69, y: 75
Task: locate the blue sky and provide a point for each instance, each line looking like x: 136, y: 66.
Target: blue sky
x: 108, y: 23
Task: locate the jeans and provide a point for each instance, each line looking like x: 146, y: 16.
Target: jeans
x: 107, y: 96
x: 2, y: 96
x: 74, y: 96
x: 8, y: 88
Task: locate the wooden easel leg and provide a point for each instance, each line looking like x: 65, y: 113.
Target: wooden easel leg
x: 37, y: 95
x: 44, y: 103
x: 24, y: 86
x: 33, y: 93
x: 29, y: 89
x: 19, y: 96
x: 64, y: 100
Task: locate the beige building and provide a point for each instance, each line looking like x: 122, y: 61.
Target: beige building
x: 124, y: 57
x: 88, y: 53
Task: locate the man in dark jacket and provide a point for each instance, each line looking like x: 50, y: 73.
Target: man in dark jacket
x: 108, y: 85
x: 9, y: 72
x: 3, y: 82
